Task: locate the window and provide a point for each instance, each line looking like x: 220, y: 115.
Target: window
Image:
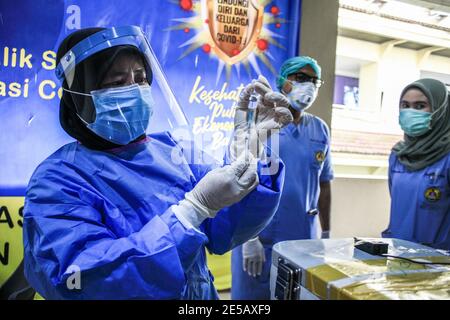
x: 346, y: 92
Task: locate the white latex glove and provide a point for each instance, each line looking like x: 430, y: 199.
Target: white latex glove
x: 272, y: 113
x: 218, y: 189
x: 253, y: 257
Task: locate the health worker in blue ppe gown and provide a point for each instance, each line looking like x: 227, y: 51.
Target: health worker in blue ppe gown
x: 304, y: 147
x: 119, y: 214
x: 419, y: 167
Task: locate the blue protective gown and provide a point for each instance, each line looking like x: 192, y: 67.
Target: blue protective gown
x: 305, y: 152
x: 420, y: 203
x: 108, y: 214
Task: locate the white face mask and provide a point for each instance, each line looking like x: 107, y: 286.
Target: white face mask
x: 302, y: 95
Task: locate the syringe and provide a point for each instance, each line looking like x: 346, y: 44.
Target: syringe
x: 250, y: 122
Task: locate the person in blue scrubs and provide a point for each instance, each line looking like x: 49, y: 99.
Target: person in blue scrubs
x: 119, y: 214
x: 419, y: 167
x: 304, y: 147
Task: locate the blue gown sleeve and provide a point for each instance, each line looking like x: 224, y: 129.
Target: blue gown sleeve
x: 327, y: 173
x: 63, y: 232
x: 237, y: 224
x: 391, y: 164
x: 387, y: 232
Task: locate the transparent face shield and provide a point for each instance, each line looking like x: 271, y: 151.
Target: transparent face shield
x: 112, y: 71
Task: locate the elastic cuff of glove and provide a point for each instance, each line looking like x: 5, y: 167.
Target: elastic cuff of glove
x: 201, y: 209
x: 188, y: 215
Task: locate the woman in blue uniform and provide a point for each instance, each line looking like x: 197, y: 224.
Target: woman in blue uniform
x: 305, y: 150
x: 124, y: 215
x: 419, y: 167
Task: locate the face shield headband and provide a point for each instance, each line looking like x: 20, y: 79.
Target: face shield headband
x: 121, y: 36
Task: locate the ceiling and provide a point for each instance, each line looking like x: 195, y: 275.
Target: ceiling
x: 439, y: 5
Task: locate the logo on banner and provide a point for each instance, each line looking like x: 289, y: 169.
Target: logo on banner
x: 236, y: 32
x: 233, y: 34
x: 234, y: 27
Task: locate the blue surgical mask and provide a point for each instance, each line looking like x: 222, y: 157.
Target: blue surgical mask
x: 122, y: 114
x: 414, y: 122
x: 302, y: 95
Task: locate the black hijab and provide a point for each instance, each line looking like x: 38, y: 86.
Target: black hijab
x: 88, y: 75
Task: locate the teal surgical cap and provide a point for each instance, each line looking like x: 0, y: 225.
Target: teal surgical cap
x: 292, y: 65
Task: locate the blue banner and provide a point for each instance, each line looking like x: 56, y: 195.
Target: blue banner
x: 208, y: 50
